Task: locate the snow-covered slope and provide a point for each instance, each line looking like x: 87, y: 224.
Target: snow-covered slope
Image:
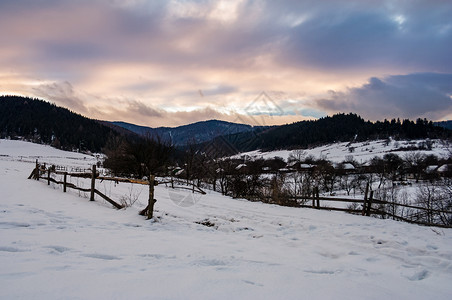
x: 29, y: 152
x: 57, y: 245
x: 361, y: 152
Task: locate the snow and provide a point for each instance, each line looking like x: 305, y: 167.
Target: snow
x: 348, y: 166
x: 443, y: 168
x: 306, y: 166
x: 240, y: 166
x: 361, y: 151
x: 57, y: 245
x: 431, y: 169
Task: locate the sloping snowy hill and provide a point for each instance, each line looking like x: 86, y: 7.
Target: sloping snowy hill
x: 359, y: 151
x: 61, y: 246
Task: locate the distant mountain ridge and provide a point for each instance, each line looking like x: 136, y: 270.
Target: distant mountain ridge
x: 337, y: 128
x: 446, y: 124
x: 42, y: 122
x: 194, y: 133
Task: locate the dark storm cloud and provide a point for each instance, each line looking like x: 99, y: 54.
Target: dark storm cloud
x: 322, y: 34
x: 408, y: 96
x: 337, y: 35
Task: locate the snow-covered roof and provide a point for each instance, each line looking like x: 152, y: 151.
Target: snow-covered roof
x: 306, y: 166
x: 431, y: 168
x: 292, y: 163
x: 240, y: 166
x: 348, y: 166
x: 444, y: 168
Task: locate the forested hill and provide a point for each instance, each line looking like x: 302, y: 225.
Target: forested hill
x: 445, y: 124
x: 339, y: 127
x: 42, y: 122
x: 194, y: 133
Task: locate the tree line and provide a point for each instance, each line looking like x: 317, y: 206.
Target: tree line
x: 337, y: 128
x: 42, y: 122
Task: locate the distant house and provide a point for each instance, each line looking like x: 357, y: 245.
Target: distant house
x: 431, y: 169
x: 241, y: 166
x: 178, y: 171
x: 348, y: 166
x: 306, y: 167
x: 292, y: 163
x: 444, y: 169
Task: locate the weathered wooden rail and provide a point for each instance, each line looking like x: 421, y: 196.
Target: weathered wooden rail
x: 36, y: 174
x: 40, y: 170
x: 183, y: 184
x: 368, y: 202
x: 368, y: 207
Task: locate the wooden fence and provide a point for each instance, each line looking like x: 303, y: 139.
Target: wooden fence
x: 371, y: 206
x: 183, y: 184
x: 40, y: 171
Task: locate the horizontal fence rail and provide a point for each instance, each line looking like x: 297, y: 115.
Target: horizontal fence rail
x: 375, y: 207
x: 369, y: 205
x: 41, y: 170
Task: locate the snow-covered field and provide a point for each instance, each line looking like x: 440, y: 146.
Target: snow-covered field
x: 57, y: 245
x: 362, y: 151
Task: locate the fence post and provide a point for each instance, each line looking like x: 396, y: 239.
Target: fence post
x: 151, y: 200
x: 48, y: 176
x: 37, y: 170
x: 34, y: 172
x: 369, y: 203
x: 313, y: 198
x: 317, y: 196
x: 64, y: 182
x: 365, y: 200
x: 93, y: 183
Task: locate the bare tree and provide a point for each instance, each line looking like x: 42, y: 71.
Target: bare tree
x: 297, y: 155
x: 435, y: 198
x: 415, y: 164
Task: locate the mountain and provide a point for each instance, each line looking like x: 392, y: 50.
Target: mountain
x: 121, y: 130
x: 337, y: 128
x: 445, y: 124
x: 42, y: 122
x: 195, y: 133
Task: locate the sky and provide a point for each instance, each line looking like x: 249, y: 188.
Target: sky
x: 261, y: 62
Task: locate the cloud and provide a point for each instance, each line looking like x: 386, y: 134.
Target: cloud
x: 141, y: 114
x: 192, y: 55
x: 231, y: 34
x: 137, y: 107
x: 62, y: 93
x: 351, y: 35
x: 426, y: 95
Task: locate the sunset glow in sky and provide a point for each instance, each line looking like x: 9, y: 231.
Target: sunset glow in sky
x: 169, y: 63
